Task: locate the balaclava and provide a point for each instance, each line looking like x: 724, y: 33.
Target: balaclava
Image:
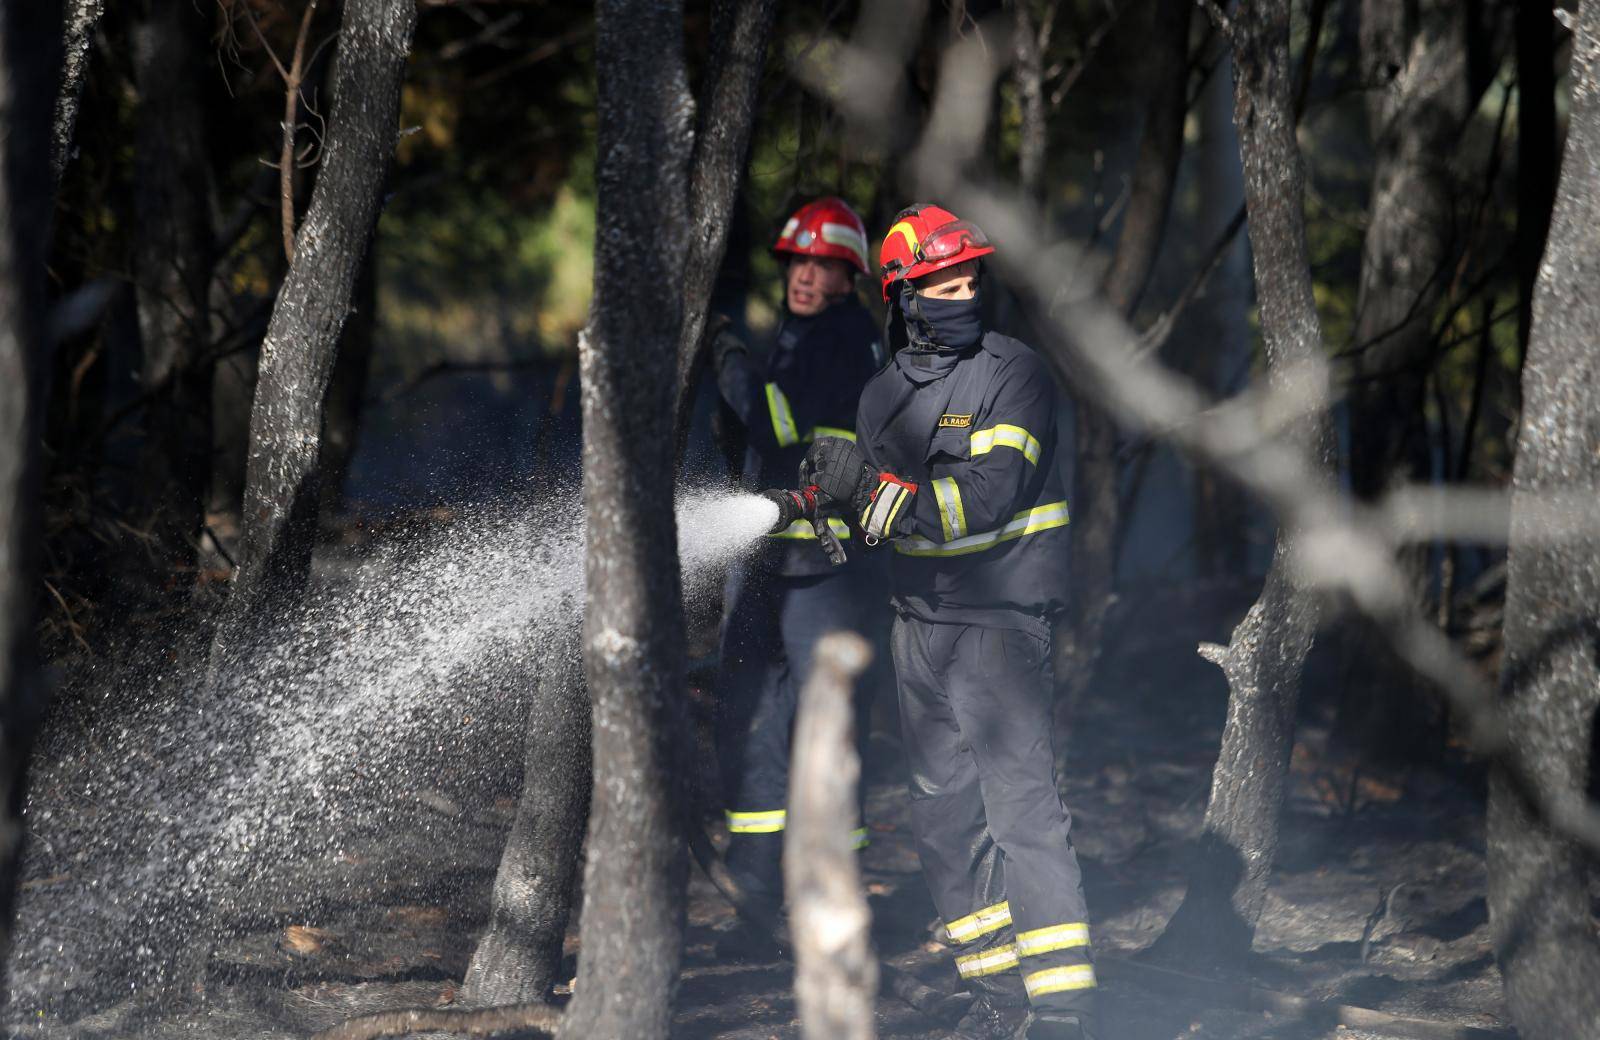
x: 938, y: 333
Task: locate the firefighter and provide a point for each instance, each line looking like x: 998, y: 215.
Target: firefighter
x: 956, y: 469
x: 781, y: 602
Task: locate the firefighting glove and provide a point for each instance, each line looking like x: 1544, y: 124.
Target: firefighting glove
x: 724, y: 344
x: 839, y: 471
x: 885, y: 515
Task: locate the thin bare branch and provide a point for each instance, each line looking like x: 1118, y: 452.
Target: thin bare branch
x: 291, y: 115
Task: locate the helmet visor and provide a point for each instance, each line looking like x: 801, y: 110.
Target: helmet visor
x: 951, y: 240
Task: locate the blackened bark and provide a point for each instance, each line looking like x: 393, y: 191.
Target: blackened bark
x: 1414, y: 65
x: 173, y: 264
x: 519, y: 956
x: 1539, y: 908
x: 1536, y: 149
x: 1096, y: 497
x: 280, y: 495
x: 632, y: 925
x: 341, y: 422
x: 30, y: 40
x: 740, y: 31
x: 519, y: 953
x: 1263, y: 660
x: 82, y: 18
x: 1027, y: 72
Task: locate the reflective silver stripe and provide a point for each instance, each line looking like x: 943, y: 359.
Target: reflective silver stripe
x: 1007, y: 436
x: 757, y: 822
x: 859, y: 839
x: 1029, y: 521
x: 833, y: 431
x: 1056, y: 937
x: 981, y: 923
x: 847, y: 236
x: 988, y: 962
x: 783, y: 427
x: 1057, y: 980
x: 802, y: 529
x: 952, y: 519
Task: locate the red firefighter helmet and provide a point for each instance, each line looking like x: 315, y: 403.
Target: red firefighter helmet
x: 925, y: 239
x: 828, y: 228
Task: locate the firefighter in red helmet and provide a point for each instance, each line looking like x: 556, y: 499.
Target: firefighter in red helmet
x: 781, y: 602
x: 955, y: 468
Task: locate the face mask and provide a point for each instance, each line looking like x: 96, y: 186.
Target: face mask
x: 933, y: 324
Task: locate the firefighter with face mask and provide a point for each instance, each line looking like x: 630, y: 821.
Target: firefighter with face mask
x: 779, y: 604
x: 955, y: 468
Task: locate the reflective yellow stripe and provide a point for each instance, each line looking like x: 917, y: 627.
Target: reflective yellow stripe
x: 988, y: 962
x: 906, y: 231
x: 1006, y: 436
x: 859, y: 838
x: 803, y: 529
x: 1056, y: 937
x: 1056, y: 980
x: 1029, y: 521
x: 899, y: 502
x: 782, y: 418
x: 981, y: 923
x: 951, y: 517
x: 833, y: 431
x: 757, y: 822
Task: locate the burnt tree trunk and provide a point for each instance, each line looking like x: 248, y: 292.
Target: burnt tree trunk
x: 740, y: 30
x: 518, y: 958
x: 1027, y: 72
x: 1263, y: 660
x: 1539, y: 906
x: 280, y: 494
x: 30, y: 40
x: 1414, y: 63
x: 631, y: 931
x: 173, y: 246
x: 82, y: 19
x: 1096, y: 497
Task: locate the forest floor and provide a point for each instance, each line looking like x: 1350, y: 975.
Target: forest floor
x: 1136, y: 762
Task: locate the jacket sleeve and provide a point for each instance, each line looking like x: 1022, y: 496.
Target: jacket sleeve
x: 812, y: 392
x: 738, y: 385
x: 1006, y: 446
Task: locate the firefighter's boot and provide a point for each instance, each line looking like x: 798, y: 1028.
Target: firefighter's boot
x: 991, y: 1016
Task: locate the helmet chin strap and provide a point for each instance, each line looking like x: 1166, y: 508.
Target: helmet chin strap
x: 918, y: 331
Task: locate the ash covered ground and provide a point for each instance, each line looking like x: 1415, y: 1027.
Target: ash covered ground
x: 366, y: 917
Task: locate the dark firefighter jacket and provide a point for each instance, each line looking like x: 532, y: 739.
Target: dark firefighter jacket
x: 986, y: 538
x: 807, y: 388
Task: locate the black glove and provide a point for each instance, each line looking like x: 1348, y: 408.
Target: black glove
x: 837, y: 469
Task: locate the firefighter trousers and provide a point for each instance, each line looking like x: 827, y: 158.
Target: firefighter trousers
x: 994, y: 837
x: 771, y: 626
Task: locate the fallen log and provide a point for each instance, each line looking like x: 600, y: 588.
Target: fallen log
x: 481, y: 1022
x: 1244, y: 997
